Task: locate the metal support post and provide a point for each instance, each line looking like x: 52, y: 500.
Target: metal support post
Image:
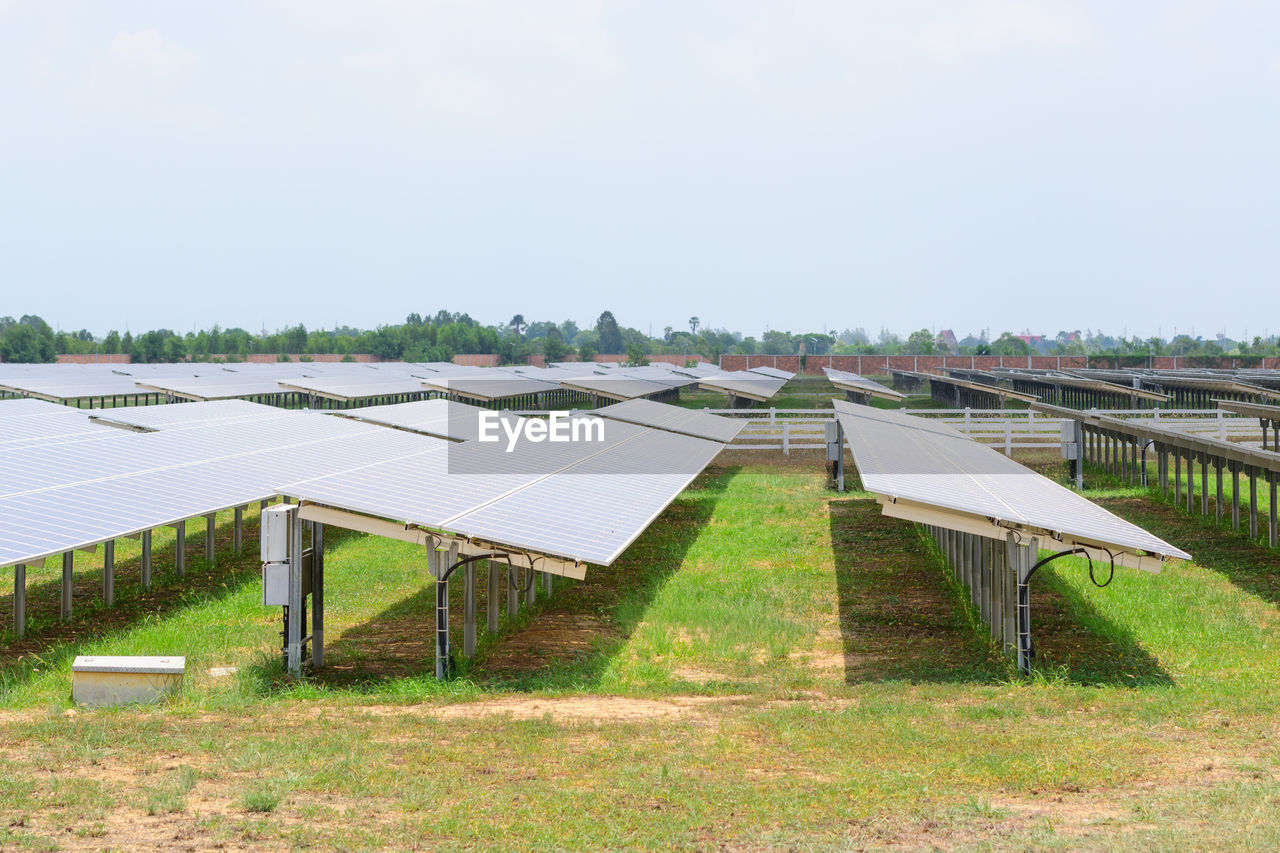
x: 237, y: 530
x: 109, y: 572
x: 493, y: 596
x: 210, y: 526
x: 68, y: 577
x: 469, y: 609
x: 20, y: 599
x: 180, y: 548
x: 146, y: 559
x: 317, y: 594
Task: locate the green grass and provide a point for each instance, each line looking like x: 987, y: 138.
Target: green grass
x: 770, y: 666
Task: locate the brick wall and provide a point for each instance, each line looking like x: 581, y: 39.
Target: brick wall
x: 94, y: 358
x: 477, y: 360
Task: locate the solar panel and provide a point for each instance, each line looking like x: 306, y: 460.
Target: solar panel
x: 846, y: 381
x: 41, y: 422
x: 224, y: 387
x: 441, y: 418
x: 674, y: 419
x: 772, y: 372
x: 491, y: 386
x: 917, y: 467
x: 575, y: 501
x: 615, y: 387
x: 174, y: 414
x: 740, y: 383
x: 356, y: 386
x: 57, y: 499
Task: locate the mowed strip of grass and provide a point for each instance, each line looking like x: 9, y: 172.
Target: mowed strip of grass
x: 771, y: 665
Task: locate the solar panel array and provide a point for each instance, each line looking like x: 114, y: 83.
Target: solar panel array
x: 353, y: 382
x: 62, y: 496
x: 905, y: 458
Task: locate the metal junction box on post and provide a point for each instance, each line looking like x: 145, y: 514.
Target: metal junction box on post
x: 1070, y: 444
x: 275, y: 554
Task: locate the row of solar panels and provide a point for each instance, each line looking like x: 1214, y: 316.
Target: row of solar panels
x: 347, y: 382
x: 68, y: 480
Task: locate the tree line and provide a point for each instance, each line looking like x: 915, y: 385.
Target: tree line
x: 441, y: 336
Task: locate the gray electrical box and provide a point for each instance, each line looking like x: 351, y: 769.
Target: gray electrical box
x: 834, y: 450
x: 275, y: 584
x: 1070, y: 446
x: 275, y: 532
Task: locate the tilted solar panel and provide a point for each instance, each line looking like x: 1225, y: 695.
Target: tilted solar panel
x: 674, y: 419
x: 904, y: 458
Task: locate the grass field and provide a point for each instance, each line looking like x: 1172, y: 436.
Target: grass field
x: 771, y: 666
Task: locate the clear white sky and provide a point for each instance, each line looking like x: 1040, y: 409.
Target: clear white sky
x: 1009, y: 164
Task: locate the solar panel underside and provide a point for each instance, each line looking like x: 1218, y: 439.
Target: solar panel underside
x: 574, y: 501
x: 674, y: 419
x: 903, y: 457
x: 440, y: 418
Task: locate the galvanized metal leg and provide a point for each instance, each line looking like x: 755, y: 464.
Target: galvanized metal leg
x: 180, y: 549
x: 68, y: 577
x: 513, y: 592
x: 442, y: 615
x: 146, y: 559
x: 210, y: 525
x: 469, y: 610
x: 1235, y: 496
x: 109, y: 573
x: 530, y: 594
x: 20, y: 599
x: 1217, y: 468
x: 1204, y: 485
x: 237, y: 530
x: 1177, y: 476
x: 493, y: 596
x: 293, y: 626
x: 1271, y: 508
x: 546, y: 584
x: 1253, y: 502
x: 317, y: 594
x: 1025, y: 556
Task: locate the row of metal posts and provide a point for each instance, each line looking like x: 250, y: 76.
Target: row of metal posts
x: 108, y: 567
x: 1124, y: 456
x: 995, y: 573
x: 1079, y: 398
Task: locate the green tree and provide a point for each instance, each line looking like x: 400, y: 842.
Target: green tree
x: 921, y: 342
x: 609, y: 335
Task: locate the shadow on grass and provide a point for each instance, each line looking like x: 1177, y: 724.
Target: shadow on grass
x: 898, y: 619
x: 904, y: 617
x: 566, y: 641
x: 1074, y: 641
x: 1253, y: 567
x: 50, y: 642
